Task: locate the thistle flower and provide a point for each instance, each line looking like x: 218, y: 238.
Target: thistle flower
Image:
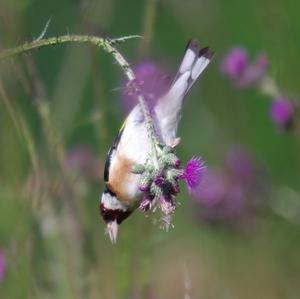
x: 282, y: 112
x: 254, y: 73
x: 245, y: 74
x: 241, y: 71
x: 221, y: 198
x: 2, y: 266
x: 152, y: 82
x: 193, y: 172
x: 160, y: 185
x: 239, y: 162
x: 235, y: 63
x: 233, y: 194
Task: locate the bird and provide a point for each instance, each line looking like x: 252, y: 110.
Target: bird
x: 121, y: 194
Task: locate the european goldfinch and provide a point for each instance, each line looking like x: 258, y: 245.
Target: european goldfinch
x: 132, y: 145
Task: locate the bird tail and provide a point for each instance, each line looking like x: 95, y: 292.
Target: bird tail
x: 194, y: 62
x: 168, y: 108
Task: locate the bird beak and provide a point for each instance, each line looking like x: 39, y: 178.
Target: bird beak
x: 112, y: 230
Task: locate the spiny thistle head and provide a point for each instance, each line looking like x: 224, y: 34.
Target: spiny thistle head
x: 160, y: 181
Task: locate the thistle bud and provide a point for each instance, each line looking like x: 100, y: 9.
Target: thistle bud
x: 174, y: 174
x: 158, y: 180
x: 146, y: 203
x: 168, y: 149
x: 145, y: 181
x: 156, y: 191
x: 172, y: 160
x: 138, y: 169
x: 169, y: 159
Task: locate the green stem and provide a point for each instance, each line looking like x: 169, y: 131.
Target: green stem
x: 107, y: 45
x: 38, y: 43
x: 145, y: 109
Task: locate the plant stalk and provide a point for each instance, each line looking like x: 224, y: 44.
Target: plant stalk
x: 108, y: 45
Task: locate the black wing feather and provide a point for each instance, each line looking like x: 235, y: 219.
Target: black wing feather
x: 110, y: 154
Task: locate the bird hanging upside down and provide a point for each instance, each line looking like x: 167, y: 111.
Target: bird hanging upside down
x: 132, y: 145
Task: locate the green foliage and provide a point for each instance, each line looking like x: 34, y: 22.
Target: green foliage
x: 50, y: 230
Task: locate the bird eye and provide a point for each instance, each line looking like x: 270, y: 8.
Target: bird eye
x: 103, y: 210
x: 105, y: 213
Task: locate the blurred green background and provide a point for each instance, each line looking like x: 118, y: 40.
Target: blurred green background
x: 62, y: 102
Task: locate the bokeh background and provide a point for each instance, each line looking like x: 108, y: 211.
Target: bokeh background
x: 60, y: 109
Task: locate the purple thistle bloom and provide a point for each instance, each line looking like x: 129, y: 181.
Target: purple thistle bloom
x: 233, y: 195
x: 221, y: 198
x: 235, y: 63
x: 2, y: 266
x: 193, y: 172
x: 152, y: 82
x: 244, y: 74
x: 243, y: 169
x: 254, y: 72
x: 262, y: 62
x: 281, y: 113
x: 212, y: 191
x: 239, y: 162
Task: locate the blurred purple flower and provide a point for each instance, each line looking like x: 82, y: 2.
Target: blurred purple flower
x: 82, y: 160
x: 254, y: 73
x: 235, y: 63
x: 239, y: 162
x: 221, y: 198
x: 281, y: 113
x: 2, y: 266
x: 262, y: 62
x: 193, y: 172
x: 151, y: 80
x: 244, y: 74
x: 233, y: 194
x: 213, y: 189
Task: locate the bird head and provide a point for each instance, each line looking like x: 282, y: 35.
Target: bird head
x: 113, y: 213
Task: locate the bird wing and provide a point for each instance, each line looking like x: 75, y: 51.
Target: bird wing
x: 131, y: 146
x: 112, y: 151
